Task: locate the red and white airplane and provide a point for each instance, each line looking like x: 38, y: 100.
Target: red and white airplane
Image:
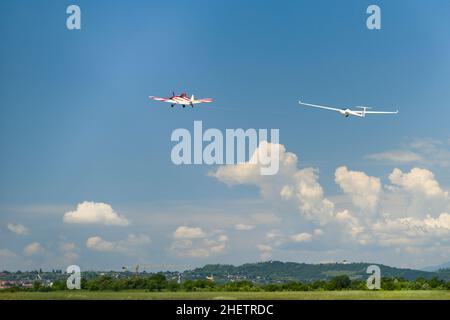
x: 181, y: 99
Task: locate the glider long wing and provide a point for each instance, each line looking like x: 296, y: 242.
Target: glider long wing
x: 381, y: 112
x: 318, y: 106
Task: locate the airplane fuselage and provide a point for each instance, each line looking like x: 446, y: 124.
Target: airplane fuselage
x: 347, y: 112
x: 182, y: 100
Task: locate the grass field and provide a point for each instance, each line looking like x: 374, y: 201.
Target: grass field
x: 309, y: 295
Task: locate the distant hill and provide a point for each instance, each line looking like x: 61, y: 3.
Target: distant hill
x: 277, y: 271
x: 445, y: 265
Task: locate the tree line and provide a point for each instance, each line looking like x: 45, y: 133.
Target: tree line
x: 158, y: 282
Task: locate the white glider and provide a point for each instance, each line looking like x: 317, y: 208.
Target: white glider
x: 347, y: 112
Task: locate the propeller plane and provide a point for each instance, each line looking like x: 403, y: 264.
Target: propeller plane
x: 181, y: 99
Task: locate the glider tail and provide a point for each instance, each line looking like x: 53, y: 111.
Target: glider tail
x: 364, y: 109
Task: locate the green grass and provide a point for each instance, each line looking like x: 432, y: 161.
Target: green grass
x: 309, y: 295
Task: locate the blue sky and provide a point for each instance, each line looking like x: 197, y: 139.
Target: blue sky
x: 76, y: 126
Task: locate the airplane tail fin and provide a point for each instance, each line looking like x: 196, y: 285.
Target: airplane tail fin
x: 192, y: 98
x: 364, y: 109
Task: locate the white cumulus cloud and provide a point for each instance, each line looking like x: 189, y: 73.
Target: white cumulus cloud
x: 301, y: 237
x: 131, y: 243
x: 409, y: 231
x: 396, y: 156
x: 299, y: 186
x: 363, y: 189
x: 418, y: 181
x: 409, y: 214
x: 18, y: 229
x: 184, y: 232
x: 193, y: 242
x: 423, y: 151
x: 34, y: 248
x: 265, y: 251
x: 98, y: 244
x: 95, y: 213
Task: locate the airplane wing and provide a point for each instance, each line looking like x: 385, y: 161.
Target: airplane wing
x: 317, y: 106
x: 202, y: 101
x: 381, y: 112
x: 162, y: 99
